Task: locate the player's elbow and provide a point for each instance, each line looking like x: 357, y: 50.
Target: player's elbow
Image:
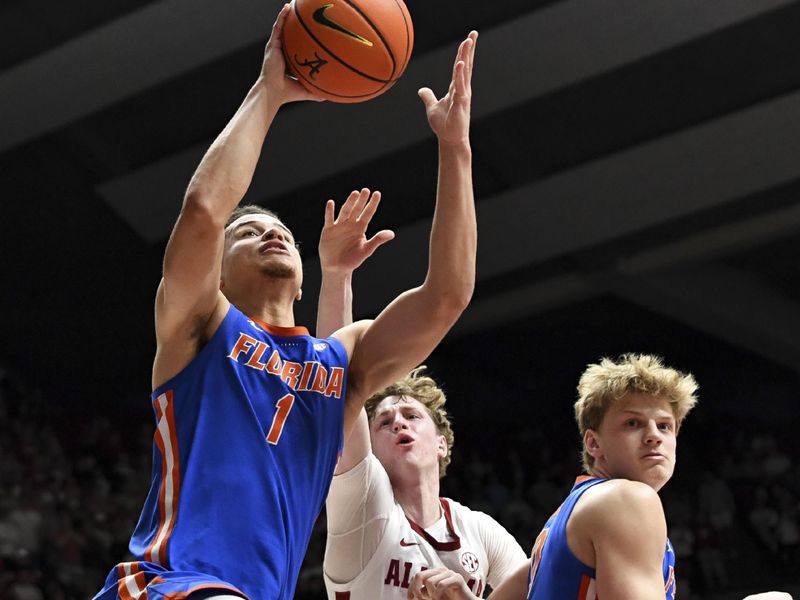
x: 200, y: 209
x: 452, y: 300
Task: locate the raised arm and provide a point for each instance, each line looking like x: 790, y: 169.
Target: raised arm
x: 343, y: 247
x: 405, y: 333
x: 188, y: 302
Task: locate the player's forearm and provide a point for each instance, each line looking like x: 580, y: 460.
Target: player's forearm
x: 335, y: 308
x: 226, y: 170
x: 515, y: 586
x: 453, y: 246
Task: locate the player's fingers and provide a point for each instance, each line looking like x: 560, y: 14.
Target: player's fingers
x: 463, y: 47
x: 369, y: 210
x: 473, y: 35
x: 361, y: 203
x: 347, y: 207
x: 417, y: 588
x: 427, y: 96
x: 330, y: 209
x: 438, y: 584
x: 460, y: 84
x: 378, y: 240
x: 277, y: 27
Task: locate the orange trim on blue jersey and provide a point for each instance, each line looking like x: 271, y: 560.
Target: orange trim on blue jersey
x: 584, y: 589
x: 132, y: 582
x: 282, y: 331
x: 170, y: 479
x: 582, y: 478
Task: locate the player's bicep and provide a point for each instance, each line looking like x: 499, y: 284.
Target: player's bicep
x: 629, y: 542
x: 189, y: 290
x: 399, y: 339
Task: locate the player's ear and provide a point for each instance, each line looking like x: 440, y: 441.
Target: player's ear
x: 441, y: 446
x: 299, y: 295
x: 592, y: 443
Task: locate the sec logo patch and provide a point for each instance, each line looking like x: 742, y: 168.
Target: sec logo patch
x: 470, y: 562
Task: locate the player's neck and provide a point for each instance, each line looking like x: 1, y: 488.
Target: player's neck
x: 273, y: 306
x: 420, y: 500
x: 279, y: 314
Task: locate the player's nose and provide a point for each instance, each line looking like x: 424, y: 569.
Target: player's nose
x: 274, y: 233
x: 399, y: 423
x: 653, y: 434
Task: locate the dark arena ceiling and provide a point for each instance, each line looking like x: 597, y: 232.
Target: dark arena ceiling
x: 637, y: 178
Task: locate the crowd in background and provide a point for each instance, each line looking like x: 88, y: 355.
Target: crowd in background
x: 73, y: 483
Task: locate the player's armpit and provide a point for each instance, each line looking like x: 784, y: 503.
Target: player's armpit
x: 625, y: 523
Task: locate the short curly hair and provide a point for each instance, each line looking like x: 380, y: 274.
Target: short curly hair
x: 419, y: 386
x: 609, y: 380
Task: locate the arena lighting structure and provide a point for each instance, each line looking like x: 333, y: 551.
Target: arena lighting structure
x: 692, y: 172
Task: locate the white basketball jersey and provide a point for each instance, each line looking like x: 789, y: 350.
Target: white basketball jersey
x: 406, y: 549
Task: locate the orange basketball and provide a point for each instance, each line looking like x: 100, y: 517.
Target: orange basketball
x: 347, y: 50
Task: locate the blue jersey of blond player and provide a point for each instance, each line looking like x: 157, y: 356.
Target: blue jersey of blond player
x: 556, y: 574
x: 247, y: 438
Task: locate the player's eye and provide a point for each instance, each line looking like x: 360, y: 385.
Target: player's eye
x: 666, y: 426
x: 631, y: 423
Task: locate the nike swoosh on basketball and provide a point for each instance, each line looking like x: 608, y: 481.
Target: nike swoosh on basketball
x: 323, y: 19
x: 405, y: 543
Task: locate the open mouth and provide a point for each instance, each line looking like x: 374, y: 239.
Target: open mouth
x: 404, y: 439
x: 273, y: 245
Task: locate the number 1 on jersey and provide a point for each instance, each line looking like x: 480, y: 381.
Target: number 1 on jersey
x: 284, y: 406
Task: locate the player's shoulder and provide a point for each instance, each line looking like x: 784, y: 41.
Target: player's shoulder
x: 619, y: 503
x: 349, y: 335
x: 618, y: 500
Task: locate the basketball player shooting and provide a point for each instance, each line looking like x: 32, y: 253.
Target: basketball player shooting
x: 251, y: 411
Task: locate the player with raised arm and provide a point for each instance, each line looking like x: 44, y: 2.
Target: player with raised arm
x: 608, y: 539
x: 251, y: 411
x: 386, y: 520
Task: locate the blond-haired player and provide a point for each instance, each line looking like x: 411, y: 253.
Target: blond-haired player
x: 608, y: 539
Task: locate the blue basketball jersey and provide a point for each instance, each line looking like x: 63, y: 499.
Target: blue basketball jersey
x: 556, y: 574
x: 247, y: 438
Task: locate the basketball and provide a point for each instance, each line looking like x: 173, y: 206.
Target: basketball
x: 347, y: 50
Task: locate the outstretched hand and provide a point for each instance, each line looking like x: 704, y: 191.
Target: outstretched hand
x: 449, y: 116
x: 343, y: 244
x: 439, y: 584
x: 273, y: 69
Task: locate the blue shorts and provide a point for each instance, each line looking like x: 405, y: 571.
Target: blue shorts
x: 150, y: 581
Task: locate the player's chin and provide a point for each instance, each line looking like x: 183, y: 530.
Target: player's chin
x: 658, y: 475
